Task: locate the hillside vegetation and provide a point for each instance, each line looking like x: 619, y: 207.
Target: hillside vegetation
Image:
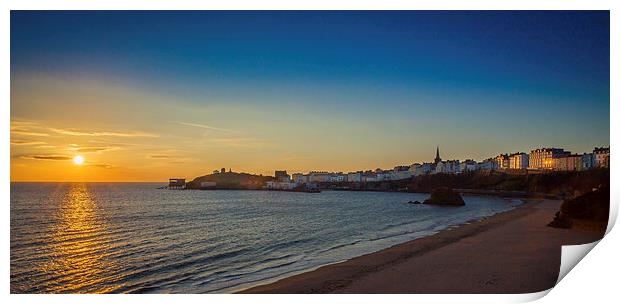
x: 563, y: 184
x: 231, y: 180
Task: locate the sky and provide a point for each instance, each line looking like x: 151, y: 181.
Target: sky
x: 145, y: 96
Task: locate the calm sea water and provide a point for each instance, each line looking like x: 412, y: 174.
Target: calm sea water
x: 132, y: 237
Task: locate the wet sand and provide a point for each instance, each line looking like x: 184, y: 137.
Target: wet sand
x: 511, y: 252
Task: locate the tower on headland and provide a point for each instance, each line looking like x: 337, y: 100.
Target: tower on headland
x: 437, y: 158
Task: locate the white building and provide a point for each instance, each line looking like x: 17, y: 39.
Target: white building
x: 425, y: 168
x: 469, y: 165
x: 337, y: 178
x: 414, y: 168
x: 487, y: 164
x: 300, y: 178
x: 354, y: 177
x: 519, y: 161
x: 318, y: 177
x: 384, y: 175
x: 400, y: 172
x: 368, y: 177
x: 448, y: 167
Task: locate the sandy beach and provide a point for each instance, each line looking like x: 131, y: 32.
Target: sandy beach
x: 511, y: 252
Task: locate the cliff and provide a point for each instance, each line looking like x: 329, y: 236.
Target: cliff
x: 590, y: 211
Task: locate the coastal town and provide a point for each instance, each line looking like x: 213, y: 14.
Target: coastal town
x: 356, y: 151
x: 541, y: 160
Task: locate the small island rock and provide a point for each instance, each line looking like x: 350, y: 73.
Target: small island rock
x: 445, y: 197
x: 414, y: 202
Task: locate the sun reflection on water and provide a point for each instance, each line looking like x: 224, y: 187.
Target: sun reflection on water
x: 79, y: 261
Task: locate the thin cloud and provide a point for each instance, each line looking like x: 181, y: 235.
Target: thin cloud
x: 103, y: 166
x: 91, y: 149
x: 178, y: 162
x: 23, y: 124
x: 21, y: 142
x: 26, y: 128
x: 24, y: 132
x: 32, y: 128
x: 74, y: 132
x: 159, y: 156
x: 46, y: 157
x: 203, y: 126
x: 103, y: 142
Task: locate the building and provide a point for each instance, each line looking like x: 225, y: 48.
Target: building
x: 318, y: 177
x: 601, y: 157
x: 400, y: 172
x: 519, y: 161
x: 567, y: 162
x: 369, y: 176
x: 176, y: 183
x: 587, y: 161
x: 437, y: 158
x: 538, y: 159
x: 282, y: 176
x: 469, y: 165
x: 425, y: 168
x: 542, y: 159
x: 503, y: 161
x: 354, y: 177
x: 414, y: 168
x: 383, y: 175
x: 487, y: 164
x: 401, y: 168
x: 300, y: 178
x: 448, y: 167
x: 337, y: 177
x: 455, y: 166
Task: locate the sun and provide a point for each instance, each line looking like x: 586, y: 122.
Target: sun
x: 78, y: 160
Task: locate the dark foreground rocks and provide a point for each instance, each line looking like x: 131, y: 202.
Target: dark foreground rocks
x: 445, y: 197
x: 589, y: 211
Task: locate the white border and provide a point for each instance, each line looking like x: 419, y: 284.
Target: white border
x: 595, y: 282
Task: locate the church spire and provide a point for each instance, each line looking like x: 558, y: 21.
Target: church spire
x: 437, y: 158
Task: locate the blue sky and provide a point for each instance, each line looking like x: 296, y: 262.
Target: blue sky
x: 475, y: 83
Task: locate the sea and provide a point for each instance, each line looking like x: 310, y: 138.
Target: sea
x: 136, y: 238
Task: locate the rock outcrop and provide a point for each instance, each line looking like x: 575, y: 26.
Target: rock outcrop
x: 445, y: 197
x: 590, y: 211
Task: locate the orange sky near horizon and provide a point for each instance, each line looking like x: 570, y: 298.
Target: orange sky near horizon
x: 128, y: 134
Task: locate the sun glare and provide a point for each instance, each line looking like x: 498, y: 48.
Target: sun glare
x: 78, y: 160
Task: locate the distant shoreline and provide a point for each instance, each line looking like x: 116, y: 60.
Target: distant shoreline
x: 510, y: 252
x: 497, y: 193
